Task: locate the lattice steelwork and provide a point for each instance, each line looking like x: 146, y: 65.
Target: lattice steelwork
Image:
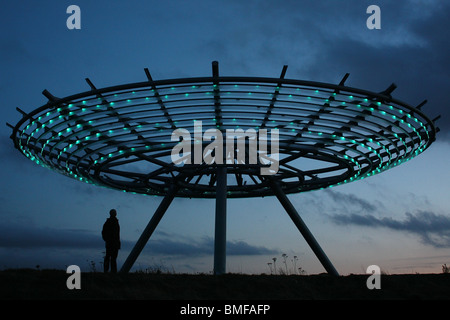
x: 120, y: 137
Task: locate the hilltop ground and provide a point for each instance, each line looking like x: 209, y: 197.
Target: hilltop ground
x: 51, y: 284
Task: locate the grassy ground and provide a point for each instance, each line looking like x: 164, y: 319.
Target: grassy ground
x: 51, y: 284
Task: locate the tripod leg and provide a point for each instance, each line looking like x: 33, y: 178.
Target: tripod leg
x: 146, y: 234
x: 301, y: 226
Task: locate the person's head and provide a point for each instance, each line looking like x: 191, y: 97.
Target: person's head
x: 113, y: 213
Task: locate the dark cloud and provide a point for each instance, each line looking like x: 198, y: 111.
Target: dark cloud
x: 171, y: 245
x: 238, y: 248
x: 350, y: 200
x: 13, y: 236
x: 411, y: 50
x: 323, y: 40
x: 433, y: 229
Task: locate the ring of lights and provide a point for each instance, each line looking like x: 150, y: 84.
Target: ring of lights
x: 120, y: 137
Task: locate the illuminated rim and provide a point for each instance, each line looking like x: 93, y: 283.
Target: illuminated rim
x: 120, y: 137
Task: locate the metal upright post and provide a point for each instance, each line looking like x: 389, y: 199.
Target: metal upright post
x: 220, y: 237
x: 220, y: 232
x: 148, y: 231
x: 301, y: 226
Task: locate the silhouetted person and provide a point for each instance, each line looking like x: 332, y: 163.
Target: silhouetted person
x: 111, y: 235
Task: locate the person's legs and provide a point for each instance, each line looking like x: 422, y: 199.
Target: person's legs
x: 114, y: 254
x: 106, y: 260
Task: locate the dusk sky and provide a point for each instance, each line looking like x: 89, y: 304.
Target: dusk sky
x: 398, y: 220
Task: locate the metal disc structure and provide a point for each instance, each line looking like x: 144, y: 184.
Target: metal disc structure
x: 122, y: 137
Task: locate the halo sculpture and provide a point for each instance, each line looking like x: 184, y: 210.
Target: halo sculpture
x: 122, y: 137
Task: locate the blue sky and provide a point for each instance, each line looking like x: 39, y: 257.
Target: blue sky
x: 399, y: 219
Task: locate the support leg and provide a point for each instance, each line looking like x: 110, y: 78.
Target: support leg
x: 220, y: 237
x: 303, y: 229
x: 151, y: 226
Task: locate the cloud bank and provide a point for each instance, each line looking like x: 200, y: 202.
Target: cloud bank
x: 24, y: 237
x: 351, y: 200
x: 204, y: 246
x: 433, y: 229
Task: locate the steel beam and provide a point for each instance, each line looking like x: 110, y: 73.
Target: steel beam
x: 301, y: 226
x: 220, y: 237
x: 148, y: 231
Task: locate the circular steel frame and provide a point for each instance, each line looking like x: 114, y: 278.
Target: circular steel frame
x: 120, y: 136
